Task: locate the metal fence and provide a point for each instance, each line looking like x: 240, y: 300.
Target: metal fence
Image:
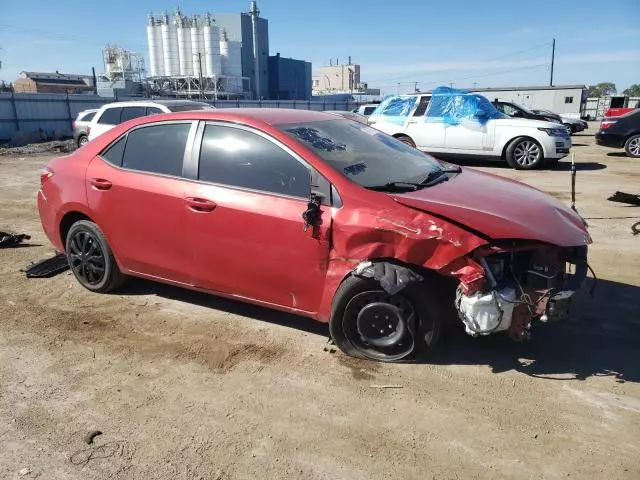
x: 35, y: 116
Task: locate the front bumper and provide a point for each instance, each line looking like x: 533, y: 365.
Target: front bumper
x: 512, y: 306
x: 558, y: 147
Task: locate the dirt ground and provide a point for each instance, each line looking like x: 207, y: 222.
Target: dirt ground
x: 188, y: 386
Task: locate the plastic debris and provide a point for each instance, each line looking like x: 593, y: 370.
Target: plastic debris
x: 10, y: 240
x: 453, y: 107
x: 48, y: 267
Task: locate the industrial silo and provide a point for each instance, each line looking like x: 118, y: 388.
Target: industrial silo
x: 197, y: 48
x: 231, y: 55
x: 211, y: 36
x: 154, y: 38
x: 184, y: 47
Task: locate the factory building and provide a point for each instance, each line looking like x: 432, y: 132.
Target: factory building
x: 341, y: 80
x: 240, y: 28
x: 209, y: 55
x: 289, y: 79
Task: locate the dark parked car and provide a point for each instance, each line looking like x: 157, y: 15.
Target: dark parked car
x: 81, y: 126
x: 310, y: 213
x: 621, y: 132
x: 513, y: 110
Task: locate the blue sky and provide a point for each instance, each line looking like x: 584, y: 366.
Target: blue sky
x: 464, y: 42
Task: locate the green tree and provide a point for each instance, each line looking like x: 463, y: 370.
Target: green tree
x: 633, y: 90
x: 602, y: 89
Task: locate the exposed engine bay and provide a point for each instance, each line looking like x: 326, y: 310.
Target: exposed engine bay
x: 520, y: 286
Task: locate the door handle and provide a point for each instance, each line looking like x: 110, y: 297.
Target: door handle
x: 100, y: 183
x: 200, y: 204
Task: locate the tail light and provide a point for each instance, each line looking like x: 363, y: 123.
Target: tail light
x: 73, y: 125
x: 45, y: 175
x: 606, y: 123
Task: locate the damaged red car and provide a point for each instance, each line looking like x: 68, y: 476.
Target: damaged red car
x: 310, y: 213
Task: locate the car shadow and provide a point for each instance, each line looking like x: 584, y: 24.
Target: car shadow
x: 580, y: 166
x: 599, y: 338
x: 560, y: 166
x: 616, y: 154
x: 147, y: 287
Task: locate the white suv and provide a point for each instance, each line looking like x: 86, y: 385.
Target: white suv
x: 113, y: 114
x: 461, y: 123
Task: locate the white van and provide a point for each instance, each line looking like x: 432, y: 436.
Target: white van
x: 465, y: 131
x: 112, y: 114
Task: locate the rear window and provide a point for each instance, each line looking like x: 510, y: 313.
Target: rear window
x: 188, y: 107
x: 86, y: 117
x: 157, y: 148
x: 369, y: 110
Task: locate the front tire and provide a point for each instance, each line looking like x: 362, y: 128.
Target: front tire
x: 367, y: 322
x: 90, y: 258
x: 407, y: 140
x: 632, y: 146
x: 524, y: 153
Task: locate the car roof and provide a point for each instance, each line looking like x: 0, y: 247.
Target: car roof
x: 150, y: 102
x: 271, y: 116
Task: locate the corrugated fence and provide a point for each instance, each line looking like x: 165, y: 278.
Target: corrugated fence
x: 46, y: 116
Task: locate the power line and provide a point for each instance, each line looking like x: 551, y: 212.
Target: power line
x: 512, y: 54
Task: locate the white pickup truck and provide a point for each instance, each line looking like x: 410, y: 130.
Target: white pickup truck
x: 465, y: 124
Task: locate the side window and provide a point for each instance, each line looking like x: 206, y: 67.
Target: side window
x: 113, y: 153
x: 111, y: 116
x: 368, y: 110
x: 129, y: 113
x: 422, y: 107
x: 153, y: 111
x: 157, y: 148
x: 239, y: 158
x: 87, y: 117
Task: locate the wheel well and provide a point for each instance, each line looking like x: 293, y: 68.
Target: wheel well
x: 506, y: 145
x: 67, y: 221
x: 398, y: 135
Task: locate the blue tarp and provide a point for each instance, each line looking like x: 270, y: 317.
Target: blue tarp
x: 452, y: 106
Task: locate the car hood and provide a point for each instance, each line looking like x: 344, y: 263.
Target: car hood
x: 500, y: 208
x: 522, y: 122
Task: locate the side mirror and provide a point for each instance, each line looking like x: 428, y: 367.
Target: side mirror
x: 312, y: 216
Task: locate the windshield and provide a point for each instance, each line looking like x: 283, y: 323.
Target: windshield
x: 362, y: 154
x: 189, y: 107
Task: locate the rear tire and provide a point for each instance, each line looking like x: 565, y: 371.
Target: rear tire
x: 90, y: 258
x: 524, y: 153
x: 359, y: 300
x: 632, y: 146
x: 407, y: 140
x: 82, y: 140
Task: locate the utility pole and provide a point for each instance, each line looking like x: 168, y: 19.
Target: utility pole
x: 553, y: 57
x: 398, y: 88
x: 415, y: 87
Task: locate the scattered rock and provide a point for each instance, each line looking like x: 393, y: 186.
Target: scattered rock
x: 24, y: 471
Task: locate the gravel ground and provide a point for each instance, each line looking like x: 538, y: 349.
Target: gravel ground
x: 188, y: 386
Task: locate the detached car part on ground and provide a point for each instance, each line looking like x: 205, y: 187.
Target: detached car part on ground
x: 451, y: 122
x: 313, y: 214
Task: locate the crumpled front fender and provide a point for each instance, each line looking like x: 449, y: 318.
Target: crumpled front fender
x: 406, y: 235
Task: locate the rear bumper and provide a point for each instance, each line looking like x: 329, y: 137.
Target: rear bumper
x: 607, y: 140
x: 49, y: 221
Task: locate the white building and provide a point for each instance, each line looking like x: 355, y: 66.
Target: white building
x: 562, y: 99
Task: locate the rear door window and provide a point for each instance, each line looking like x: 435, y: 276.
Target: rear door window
x: 129, y: 113
x: 113, y: 153
x: 157, y: 148
x: 154, y: 111
x: 111, y: 116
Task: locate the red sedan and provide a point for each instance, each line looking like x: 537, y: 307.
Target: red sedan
x: 314, y: 214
